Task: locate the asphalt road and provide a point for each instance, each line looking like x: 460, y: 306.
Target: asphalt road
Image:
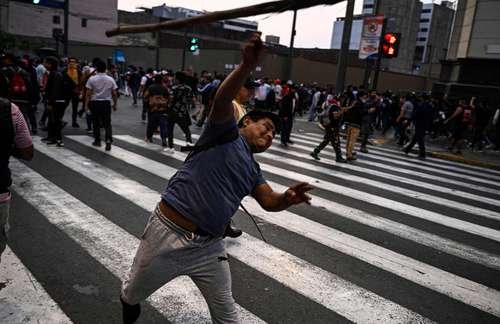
x: 387, y: 239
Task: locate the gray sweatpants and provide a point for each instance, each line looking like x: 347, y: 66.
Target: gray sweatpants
x: 4, y: 225
x: 167, y: 251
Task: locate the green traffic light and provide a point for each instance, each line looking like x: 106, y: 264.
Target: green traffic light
x: 36, y: 1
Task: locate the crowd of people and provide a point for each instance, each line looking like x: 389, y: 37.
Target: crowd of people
x: 184, y: 98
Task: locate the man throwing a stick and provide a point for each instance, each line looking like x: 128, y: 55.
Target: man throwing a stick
x: 184, y: 233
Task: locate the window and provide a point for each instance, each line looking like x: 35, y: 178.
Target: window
x: 56, y: 20
x: 426, y: 10
x: 84, y: 22
x: 424, y: 29
x: 421, y: 39
x: 424, y: 20
x: 368, y: 6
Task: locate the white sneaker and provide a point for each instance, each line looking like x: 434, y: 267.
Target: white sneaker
x: 169, y: 150
x: 189, y: 144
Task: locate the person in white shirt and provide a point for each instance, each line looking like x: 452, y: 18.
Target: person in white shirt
x: 101, y: 89
x: 314, y: 104
x: 261, y: 94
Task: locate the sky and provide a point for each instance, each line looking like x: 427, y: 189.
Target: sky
x: 314, y: 25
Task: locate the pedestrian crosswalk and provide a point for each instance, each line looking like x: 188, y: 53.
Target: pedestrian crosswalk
x: 385, y: 240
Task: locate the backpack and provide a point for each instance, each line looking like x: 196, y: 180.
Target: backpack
x: 467, y: 116
x: 17, y: 85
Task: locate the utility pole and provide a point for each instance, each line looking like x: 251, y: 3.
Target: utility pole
x: 184, y: 50
x: 66, y: 28
x: 379, y: 56
x: 290, y: 50
x: 157, y: 54
x: 344, y: 50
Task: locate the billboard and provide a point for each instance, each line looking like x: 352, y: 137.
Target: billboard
x: 370, y: 37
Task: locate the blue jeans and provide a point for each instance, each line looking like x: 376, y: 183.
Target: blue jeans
x: 168, y: 251
x: 4, y: 224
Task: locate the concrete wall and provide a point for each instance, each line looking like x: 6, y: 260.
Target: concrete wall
x: 4, y: 16
x: 37, y: 21
x: 274, y: 65
x: 485, y: 30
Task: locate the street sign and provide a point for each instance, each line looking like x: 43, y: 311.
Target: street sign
x: 118, y: 56
x: 370, y: 37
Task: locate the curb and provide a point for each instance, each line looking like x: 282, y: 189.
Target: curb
x: 461, y: 159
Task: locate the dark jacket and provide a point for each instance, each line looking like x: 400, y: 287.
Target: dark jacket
x: 286, y: 106
x: 354, y: 116
x: 55, y: 88
x: 423, y: 115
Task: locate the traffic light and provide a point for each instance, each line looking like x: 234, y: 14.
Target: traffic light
x: 194, y: 44
x: 390, y: 44
x: 36, y: 1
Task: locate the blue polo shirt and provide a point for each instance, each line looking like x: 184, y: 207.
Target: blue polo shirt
x: 209, y: 187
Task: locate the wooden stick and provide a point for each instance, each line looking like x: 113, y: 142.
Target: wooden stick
x: 263, y: 8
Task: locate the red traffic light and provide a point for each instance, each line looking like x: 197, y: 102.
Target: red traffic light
x: 390, y: 38
x: 390, y: 45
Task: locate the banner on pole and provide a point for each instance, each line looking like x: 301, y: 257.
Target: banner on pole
x: 370, y: 37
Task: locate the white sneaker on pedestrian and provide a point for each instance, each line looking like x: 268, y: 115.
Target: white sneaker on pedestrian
x: 169, y: 150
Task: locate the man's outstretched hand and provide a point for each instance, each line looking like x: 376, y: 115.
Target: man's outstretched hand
x: 297, y: 194
x: 253, y: 51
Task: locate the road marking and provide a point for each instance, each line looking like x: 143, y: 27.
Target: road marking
x: 398, y: 229
x: 22, y: 297
x: 180, y: 300
x: 353, y: 302
x: 433, y: 278
x: 389, y: 176
x: 385, y: 157
x: 453, y: 166
x: 385, y: 202
x: 315, y: 137
x: 387, y: 167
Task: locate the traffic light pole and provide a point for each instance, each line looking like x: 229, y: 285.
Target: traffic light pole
x: 379, y: 57
x: 184, y: 51
x: 66, y: 28
x: 344, y: 49
x: 290, y: 50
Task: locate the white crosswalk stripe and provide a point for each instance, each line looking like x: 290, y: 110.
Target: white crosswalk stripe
x: 181, y: 302
x: 420, y: 237
x: 385, y: 202
x: 393, y: 158
x: 440, y: 161
x: 23, y: 298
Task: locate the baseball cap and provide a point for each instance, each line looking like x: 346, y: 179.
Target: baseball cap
x: 263, y: 113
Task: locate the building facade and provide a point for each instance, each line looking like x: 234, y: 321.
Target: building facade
x: 474, y: 51
x: 172, y: 13
x: 433, y: 36
x: 88, y: 20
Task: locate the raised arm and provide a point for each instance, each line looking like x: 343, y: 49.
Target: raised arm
x: 222, y: 110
